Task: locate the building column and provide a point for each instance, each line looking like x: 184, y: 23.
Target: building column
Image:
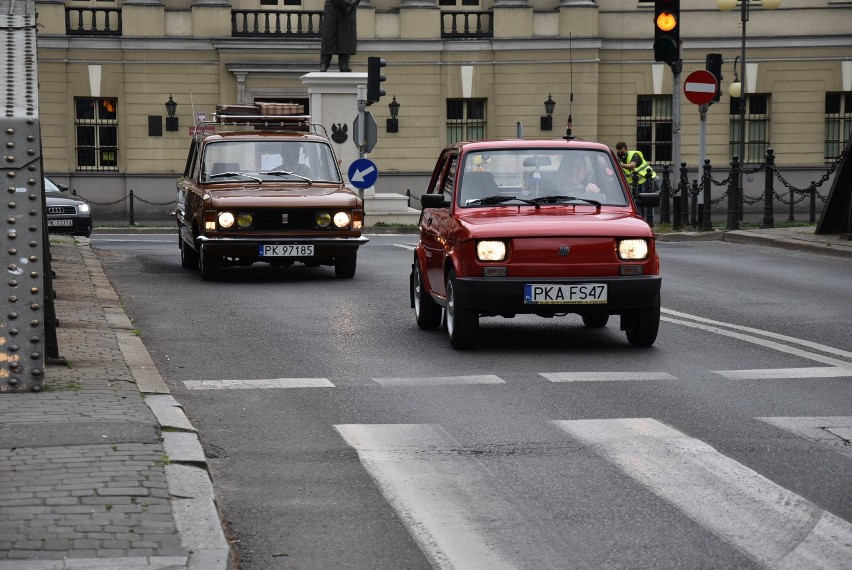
x: 513, y: 19
x: 419, y: 19
x: 578, y: 18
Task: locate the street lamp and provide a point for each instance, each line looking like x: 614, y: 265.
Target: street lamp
x: 549, y: 106
x: 740, y: 89
x: 393, y: 122
x: 171, y: 120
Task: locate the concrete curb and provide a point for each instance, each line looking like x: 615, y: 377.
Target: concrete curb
x: 790, y: 243
x: 189, y: 484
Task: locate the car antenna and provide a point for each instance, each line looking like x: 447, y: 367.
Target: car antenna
x: 568, y: 136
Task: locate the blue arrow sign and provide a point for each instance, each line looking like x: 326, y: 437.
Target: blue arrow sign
x: 363, y: 173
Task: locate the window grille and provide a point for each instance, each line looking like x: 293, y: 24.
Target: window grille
x: 654, y: 128
x: 756, y: 127
x: 838, y: 123
x: 465, y: 120
x: 96, y: 126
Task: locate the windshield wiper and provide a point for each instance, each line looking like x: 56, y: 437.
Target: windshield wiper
x: 287, y: 173
x: 228, y: 174
x: 497, y: 199
x: 559, y: 198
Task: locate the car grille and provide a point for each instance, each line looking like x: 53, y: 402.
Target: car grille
x: 60, y: 210
x: 274, y: 220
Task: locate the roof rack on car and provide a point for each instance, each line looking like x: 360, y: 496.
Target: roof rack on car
x: 262, y: 116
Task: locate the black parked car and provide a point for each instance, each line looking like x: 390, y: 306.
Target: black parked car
x: 66, y: 214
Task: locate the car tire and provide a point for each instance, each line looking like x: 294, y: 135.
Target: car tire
x: 209, y: 264
x: 427, y: 312
x: 188, y: 256
x: 595, y: 321
x: 643, y: 325
x: 462, y: 323
x: 344, y: 266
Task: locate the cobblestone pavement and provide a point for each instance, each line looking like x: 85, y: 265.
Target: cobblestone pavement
x: 88, y: 477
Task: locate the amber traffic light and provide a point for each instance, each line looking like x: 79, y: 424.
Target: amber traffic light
x: 667, y: 30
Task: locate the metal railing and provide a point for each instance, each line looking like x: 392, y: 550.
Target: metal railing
x: 276, y: 23
x: 92, y: 21
x: 466, y: 25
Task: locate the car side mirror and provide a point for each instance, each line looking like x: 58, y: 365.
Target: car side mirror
x: 434, y: 201
x: 62, y: 187
x: 648, y: 199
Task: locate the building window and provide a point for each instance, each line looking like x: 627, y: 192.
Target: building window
x: 456, y: 3
x: 96, y: 125
x: 654, y: 128
x: 756, y: 127
x: 838, y: 123
x: 465, y: 120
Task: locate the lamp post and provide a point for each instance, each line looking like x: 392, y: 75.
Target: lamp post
x: 740, y: 90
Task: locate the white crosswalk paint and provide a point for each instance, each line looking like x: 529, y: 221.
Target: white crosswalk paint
x: 766, y: 521
x: 620, y: 376
x: 444, y: 498
x: 257, y: 384
x: 440, y: 380
x: 835, y: 431
x: 771, y: 373
x: 407, y: 246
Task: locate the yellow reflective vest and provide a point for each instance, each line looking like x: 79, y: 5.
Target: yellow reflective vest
x: 643, y: 169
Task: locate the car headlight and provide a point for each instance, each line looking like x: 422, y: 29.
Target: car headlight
x: 226, y: 219
x: 83, y: 209
x: 244, y: 220
x: 491, y: 250
x: 342, y: 219
x: 632, y: 249
x: 323, y: 219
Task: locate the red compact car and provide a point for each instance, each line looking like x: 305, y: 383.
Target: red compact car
x: 544, y: 227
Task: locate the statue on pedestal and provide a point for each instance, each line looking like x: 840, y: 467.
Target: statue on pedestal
x: 339, y: 35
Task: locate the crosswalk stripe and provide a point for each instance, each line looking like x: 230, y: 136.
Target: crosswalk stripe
x: 407, y: 246
x: 257, y: 384
x: 440, y: 380
x: 835, y: 431
x: 771, y: 373
x: 605, y: 376
x: 771, y: 524
x: 439, y: 496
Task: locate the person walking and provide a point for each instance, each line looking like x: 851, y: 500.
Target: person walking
x: 339, y: 34
x: 633, y: 161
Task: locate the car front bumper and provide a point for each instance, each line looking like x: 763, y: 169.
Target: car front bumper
x: 247, y: 248
x: 496, y: 296
x: 73, y: 225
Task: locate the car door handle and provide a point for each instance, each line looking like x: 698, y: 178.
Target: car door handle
x: 429, y: 221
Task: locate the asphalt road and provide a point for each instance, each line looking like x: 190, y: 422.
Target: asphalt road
x: 342, y: 436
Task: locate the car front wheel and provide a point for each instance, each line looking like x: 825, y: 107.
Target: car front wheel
x: 426, y: 311
x: 462, y: 323
x: 344, y: 266
x: 642, y: 326
x: 210, y: 265
x: 188, y: 256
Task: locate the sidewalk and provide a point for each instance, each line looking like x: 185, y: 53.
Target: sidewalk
x: 102, y: 470
x: 796, y: 238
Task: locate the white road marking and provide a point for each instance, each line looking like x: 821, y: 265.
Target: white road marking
x: 772, y: 373
x: 440, y: 380
x: 605, y: 376
x: 444, y: 498
x: 831, y: 430
x: 788, y: 339
x: 766, y: 521
x: 767, y: 343
x: 407, y: 246
x: 257, y: 384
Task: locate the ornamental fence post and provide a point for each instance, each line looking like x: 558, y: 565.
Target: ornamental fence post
x: 684, y: 194
x: 665, y: 192
x: 769, y: 191
x: 812, y: 190
x: 693, y: 204
x: 706, y: 223
x: 733, y: 215
x: 130, y: 210
x: 792, y: 217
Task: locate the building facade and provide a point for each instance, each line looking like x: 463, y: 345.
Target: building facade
x: 459, y: 69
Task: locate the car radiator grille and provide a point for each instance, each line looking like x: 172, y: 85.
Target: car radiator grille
x: 284, y: 220
x: 60, y: 210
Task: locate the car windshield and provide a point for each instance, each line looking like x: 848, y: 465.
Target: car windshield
x: 553, y: 176
x: 269, y: 160
x: 50, y: 187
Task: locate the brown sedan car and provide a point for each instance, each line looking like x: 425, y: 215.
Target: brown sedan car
x: 260, y: 188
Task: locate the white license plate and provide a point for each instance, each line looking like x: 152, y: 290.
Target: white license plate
x: 576, y: 293
x: 59, y: 223
x: 286, y: 250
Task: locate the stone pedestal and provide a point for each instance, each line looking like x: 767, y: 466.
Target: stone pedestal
x: 333, y: 100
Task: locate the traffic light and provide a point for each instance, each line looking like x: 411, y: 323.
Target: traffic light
x: 714, y: 66
x: 374, y: 79
x: 667, y: 30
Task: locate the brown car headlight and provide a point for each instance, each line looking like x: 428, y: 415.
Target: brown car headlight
x: 342, y: 219
x: 633, y: 249
x: 323, y: 219
x: 490, y: 250
x: 226, y: 219
x: 244, y: 220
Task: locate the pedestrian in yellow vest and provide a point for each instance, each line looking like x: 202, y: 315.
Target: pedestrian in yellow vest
x: 633, y: 161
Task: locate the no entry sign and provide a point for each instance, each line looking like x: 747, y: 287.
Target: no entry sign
x: 700, y: 87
